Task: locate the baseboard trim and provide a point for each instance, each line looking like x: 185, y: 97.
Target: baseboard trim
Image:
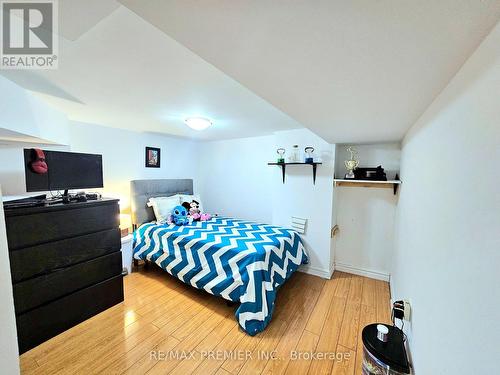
x: 377, y: 275
x: 306, y: 268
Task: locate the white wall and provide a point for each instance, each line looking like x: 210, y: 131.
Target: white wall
x: 23, y: 113
x: 447, y: 251
x: 299, y: 197
x: 365, y: 216
x: 12, y: 176
x: 123, y: 155
x: 365, y: 240
x: 235, y: 180
x: 8, y: 338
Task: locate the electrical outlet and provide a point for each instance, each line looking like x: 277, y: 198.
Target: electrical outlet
x: 407, y: 310
x: 401, y: 309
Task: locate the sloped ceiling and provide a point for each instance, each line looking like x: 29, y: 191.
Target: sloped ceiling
x: 77, y: 16
x: 350, y: 70
x: 123, y: 72
x: 8, y: 137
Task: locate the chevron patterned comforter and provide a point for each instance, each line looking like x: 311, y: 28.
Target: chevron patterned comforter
x: 238, y: 260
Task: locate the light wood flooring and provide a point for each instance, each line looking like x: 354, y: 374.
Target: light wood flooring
x: 161, y: 318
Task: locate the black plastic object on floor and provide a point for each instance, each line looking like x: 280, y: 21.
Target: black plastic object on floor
x: 384, y: 350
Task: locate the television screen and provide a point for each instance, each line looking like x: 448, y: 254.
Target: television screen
x: 66, y: 170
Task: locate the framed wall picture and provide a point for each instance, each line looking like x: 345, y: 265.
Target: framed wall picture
x: 152, y: 157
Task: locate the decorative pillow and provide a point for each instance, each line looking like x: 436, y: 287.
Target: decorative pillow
x: 163, y: 206
x: 189, y: 198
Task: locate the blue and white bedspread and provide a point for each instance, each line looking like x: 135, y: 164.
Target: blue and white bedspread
x: 238, y: 260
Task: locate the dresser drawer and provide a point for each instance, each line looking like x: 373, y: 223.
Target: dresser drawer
x: 41, y: 227
x: 37, y: 260
x: 40, y: 324
x: 43, y: 289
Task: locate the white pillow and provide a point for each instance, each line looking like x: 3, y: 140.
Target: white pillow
x: 188, y: 198
x: 163, y: 206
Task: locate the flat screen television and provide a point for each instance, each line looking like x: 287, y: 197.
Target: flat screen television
x: 66, y: 170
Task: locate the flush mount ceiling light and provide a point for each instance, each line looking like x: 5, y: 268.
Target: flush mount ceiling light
x: 198, y: 123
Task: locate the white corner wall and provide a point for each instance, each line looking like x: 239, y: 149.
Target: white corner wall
x: 236, y: 181
x: 9, y: 354
x: 365, y: 216
x: 447, y: 249
x: 298, y: 196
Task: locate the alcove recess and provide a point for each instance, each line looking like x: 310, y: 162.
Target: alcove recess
x: 387, y: 155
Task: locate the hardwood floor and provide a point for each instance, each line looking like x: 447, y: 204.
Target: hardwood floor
x: 164, y: 326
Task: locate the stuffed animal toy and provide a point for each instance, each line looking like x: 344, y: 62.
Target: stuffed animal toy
x: 193, y: 208
x: 180, y: 215
x: 205, y: 217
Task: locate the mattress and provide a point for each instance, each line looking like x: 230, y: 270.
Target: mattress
x: 240, y: 261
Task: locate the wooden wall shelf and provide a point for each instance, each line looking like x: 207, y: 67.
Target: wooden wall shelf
x: 394, y: 184
x: 283, y: 168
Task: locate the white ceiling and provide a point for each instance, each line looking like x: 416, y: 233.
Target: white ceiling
x: 77, y: 16
x: 350, y: 70
x: 125, y: 73
x: 8, y: 137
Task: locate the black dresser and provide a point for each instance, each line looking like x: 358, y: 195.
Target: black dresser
x: 66, y: 266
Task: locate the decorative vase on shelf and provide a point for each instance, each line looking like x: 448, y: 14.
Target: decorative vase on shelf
x: 294, y: 156
x: 351, y: 164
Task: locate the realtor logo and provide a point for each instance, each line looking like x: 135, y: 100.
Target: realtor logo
x: 29, y: 34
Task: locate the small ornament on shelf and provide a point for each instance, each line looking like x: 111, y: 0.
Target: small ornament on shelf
x: 351, y: 164
x: 309, y: 159
x: 281, y: 155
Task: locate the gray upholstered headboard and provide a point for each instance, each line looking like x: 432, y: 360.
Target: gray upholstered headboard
x: 142, y: 190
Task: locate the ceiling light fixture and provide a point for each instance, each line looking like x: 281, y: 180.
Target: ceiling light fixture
x: 198, y: 123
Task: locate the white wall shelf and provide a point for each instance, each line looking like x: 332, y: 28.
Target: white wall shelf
x: 394, y: 184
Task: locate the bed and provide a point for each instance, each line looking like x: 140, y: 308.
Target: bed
x: 238, y: 260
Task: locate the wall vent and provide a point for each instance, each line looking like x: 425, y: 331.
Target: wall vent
x: 299, y: 224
